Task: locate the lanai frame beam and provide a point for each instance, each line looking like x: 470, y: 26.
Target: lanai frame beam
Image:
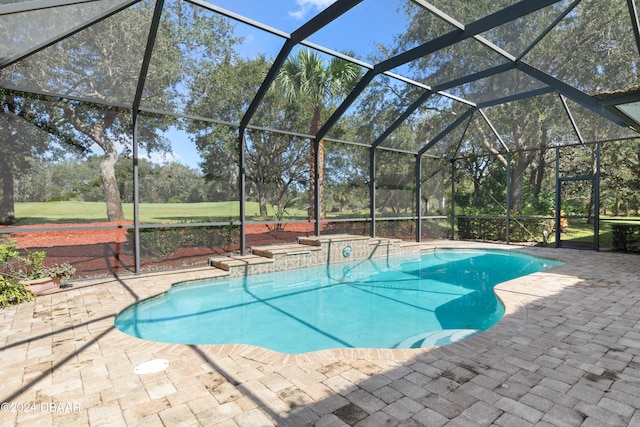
x: 505, y: 15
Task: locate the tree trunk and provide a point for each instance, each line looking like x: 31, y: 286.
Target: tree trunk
x: 262, y: 203
x: 98, y: 133
x: 477, y: 191
x: 539, y: 172
x: 7, y: 208
x: 312, y: 180
x: 517, y: 177
x: 592, y: 200
x: 316, y: 124
x: 111, y: 189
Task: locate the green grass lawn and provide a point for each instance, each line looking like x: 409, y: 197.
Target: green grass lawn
x: 581, y: 231
x: 85, y: 212
x: 74, y: 212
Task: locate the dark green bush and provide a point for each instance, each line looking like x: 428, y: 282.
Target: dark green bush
x: 358, y: 228
x: 626, y: 237
x: 495, y: 228
x: 158, y: 243
x: 396, y: 229
x: 436, y: 229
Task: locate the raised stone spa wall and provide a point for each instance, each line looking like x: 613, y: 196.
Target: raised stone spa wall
x: 311, y: 252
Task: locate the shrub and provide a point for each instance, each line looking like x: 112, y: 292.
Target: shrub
x: 161, y: 243
x: 15, y: 268
x: 13, y: 292
x: 626, y: 237
x: 30, y: 265
x: 495, y: 229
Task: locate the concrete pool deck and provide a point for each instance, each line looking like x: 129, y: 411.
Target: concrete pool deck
x: 567, y: 353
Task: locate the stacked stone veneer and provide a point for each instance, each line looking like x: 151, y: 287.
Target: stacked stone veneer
x: 310, y: 252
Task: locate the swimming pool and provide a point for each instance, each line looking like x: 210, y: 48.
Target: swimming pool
x: 393, y: 302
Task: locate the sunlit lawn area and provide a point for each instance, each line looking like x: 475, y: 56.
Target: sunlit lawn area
x: 74, y: 212
x: 581, y: 231
x: 84, y: 212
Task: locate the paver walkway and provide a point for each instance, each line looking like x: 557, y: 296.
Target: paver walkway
x: 566, y: 354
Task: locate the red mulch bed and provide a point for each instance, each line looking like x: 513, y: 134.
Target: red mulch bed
x: 107, y: 251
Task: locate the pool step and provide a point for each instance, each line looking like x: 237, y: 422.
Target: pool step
x: 290, y: 256
x: 238, y: 262
x: 387, y: 247
x: 291, y: 249
x: 331, y: 239
x: 312, y: 251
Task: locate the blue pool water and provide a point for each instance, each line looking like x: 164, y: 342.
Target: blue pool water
x: 396, y: 302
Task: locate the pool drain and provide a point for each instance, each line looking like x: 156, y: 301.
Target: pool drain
x: 151, y: 367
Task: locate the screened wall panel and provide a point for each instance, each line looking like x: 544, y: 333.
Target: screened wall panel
x: 379, y: 107
x: 481, y: 186
x: 26, y: 31
x: 396, y: 229
x: 212, y: 74
x: 277, y: 176
x: 99, y: 64
x: 578, y: 160
x: 453, y: 62
x: 538, y: 186
x: 395, y: 184
x: 357, y: 228
x: 188, y: 171
x: 467, y: 12
x: 503, y: 85
x: 517, y: 36
x: 431, y: 119
x: 43, y: 179
x: 591, y: 50
x: 620, y: 183
x: 594, y: 127
x: 54, y: 198
x: 435, y: 181
x: 284, y: 232
x: 183, y: 246
x: 435, y: 229
x: 73, y: 164
x: 346, y: 189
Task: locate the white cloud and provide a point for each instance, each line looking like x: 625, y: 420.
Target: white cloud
x: 308, y: 6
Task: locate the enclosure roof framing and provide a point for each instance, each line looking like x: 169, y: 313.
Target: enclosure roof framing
x: 464, y: 90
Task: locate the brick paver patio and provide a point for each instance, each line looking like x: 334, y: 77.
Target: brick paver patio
x: 567, y: 353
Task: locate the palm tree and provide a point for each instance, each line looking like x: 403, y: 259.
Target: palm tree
x: 307, y: 79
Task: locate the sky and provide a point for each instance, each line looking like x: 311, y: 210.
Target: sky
x: 368, y: 22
